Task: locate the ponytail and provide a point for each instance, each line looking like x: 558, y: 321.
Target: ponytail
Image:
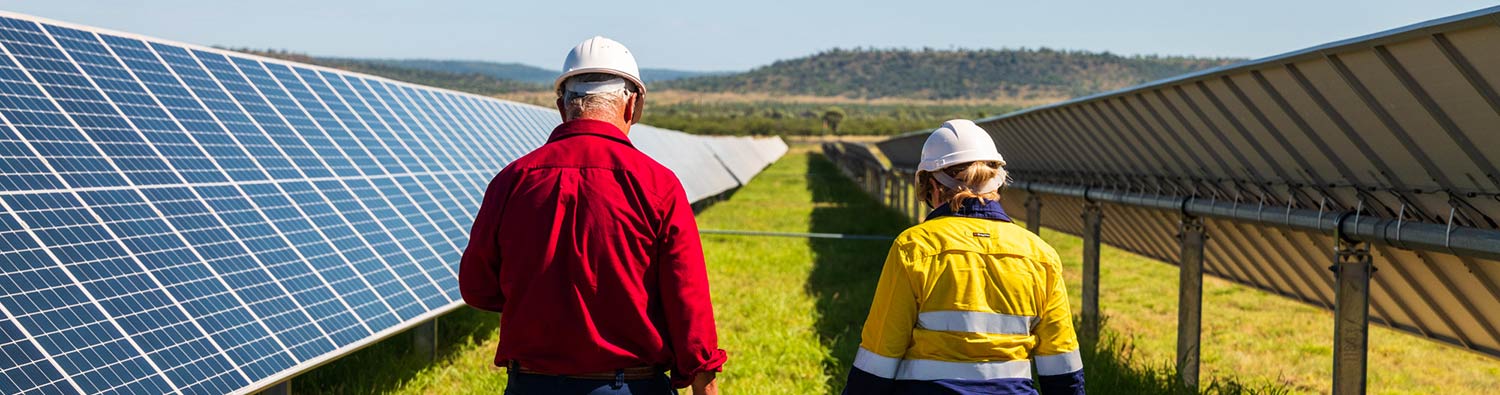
x: 970, y: 174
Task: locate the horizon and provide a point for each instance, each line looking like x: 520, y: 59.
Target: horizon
x: 477, y: 31
x: 819, y: 52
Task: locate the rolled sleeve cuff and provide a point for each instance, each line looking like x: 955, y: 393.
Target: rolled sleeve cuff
x: 683, y: 375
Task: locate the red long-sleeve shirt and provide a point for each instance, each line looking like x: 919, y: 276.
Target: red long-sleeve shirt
x: 590, y: 250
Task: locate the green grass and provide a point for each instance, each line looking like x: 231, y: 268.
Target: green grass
x: 789, y: 312
x: 468, y: 338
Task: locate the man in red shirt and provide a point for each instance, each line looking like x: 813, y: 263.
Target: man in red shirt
x: 590, y: 250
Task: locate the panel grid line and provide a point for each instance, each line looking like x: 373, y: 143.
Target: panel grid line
x: 411, y: 134
x: 96, y: 301
x: 345, y: 185
x: 219, y: 217
x: 368, y: 245
x: 326, y: 334
x: 47, y: 355
x: 405, y: 167
x: 383, y: 196
x: 402, y: 160
x: 159, y: 214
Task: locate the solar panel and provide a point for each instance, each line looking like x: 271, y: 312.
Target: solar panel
x: 178, y: 219
x: 676, y: 151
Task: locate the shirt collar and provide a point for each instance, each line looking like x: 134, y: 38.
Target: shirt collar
x: 972, y: 208
x: 585, y: 126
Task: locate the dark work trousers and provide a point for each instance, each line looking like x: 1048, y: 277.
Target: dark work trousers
x: 529, y: 384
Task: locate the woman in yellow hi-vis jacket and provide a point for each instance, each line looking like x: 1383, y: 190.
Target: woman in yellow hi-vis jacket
x: 968, y: 302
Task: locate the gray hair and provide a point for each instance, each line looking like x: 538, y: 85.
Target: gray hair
x: 577, y: 104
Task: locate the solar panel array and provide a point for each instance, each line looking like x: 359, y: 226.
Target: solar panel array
x: 178, y: 219
x: 730, y: 161
x: 1399, y: 126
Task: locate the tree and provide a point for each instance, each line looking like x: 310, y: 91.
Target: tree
x: 832, y: 116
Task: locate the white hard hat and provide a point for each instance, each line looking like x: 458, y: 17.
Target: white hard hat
x: 957, y: 141
x: 600, y: 55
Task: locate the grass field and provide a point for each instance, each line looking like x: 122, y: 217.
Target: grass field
x: 789, y: 312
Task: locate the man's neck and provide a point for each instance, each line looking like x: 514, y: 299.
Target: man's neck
x: 619, y: 123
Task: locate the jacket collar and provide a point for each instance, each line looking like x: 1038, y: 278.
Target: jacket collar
x: 585, y: 126
x: 972, y: 208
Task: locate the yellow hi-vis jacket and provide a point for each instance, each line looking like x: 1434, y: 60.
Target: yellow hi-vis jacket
x: 970, y: 299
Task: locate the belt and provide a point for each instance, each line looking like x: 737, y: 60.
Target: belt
x: 634, y: 373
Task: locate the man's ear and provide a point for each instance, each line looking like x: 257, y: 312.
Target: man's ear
x: 632, y: 111
x: 561, y: 112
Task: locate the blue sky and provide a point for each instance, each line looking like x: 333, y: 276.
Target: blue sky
x: 703, y: 35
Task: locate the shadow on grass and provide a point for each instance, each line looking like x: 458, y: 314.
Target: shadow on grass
x: 386, y: 365
x: 845, y: 272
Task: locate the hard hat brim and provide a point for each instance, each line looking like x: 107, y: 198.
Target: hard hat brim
x: 958, y: 158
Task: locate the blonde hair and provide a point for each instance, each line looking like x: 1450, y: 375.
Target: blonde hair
x: 972, y: 173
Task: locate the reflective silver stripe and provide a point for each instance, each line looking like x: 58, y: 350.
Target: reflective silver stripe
x: 975, y: 322
x: 876, y: 364
x: 925, y: 369
x: 1052, y: 365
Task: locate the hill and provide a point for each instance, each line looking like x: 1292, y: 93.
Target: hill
x: 984, y: 74
x: 1006, y: 76
x: 870, y: 91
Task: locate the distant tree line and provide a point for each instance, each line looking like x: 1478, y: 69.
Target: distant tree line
x: 466, y: 82
x: 950, y: 74
x: 777, y: 118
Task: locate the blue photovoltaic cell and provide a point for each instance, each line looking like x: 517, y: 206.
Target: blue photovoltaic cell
x: 66, y: 322
x: 389, y: 301
x: 362, y: 154
x: 177, y: 219
x: 26, y: 369
x: 190, y: 273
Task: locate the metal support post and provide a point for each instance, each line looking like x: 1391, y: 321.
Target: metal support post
x: 424, y: 339
x: 894, y: 195
x: 903, y: 193
x: 282, y: 388
x: 1034, y: 213
x: 1353, y: 268
x: 1190, y: 300
x: 911, y: 199
x: 869, y: 181
x: 885, y: 186
x: 913, y: 202
x: 887, y: 196
x: 1093, y: 217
